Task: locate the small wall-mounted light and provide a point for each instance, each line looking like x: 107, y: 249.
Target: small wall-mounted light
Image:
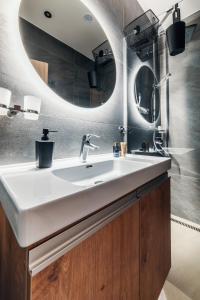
x: 31, y: 109
x: 5, y: 96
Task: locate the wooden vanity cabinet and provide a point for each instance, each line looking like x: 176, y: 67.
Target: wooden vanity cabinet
x: 155, y: 241
x: 127, y: 259
x: 14, y: 275
x: 103, y: 267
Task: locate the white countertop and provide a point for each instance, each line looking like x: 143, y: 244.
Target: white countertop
x: 38, y: 203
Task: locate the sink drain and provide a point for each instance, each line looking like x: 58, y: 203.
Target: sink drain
x: 98, y: 182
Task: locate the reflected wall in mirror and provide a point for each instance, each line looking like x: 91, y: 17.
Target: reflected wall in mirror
x: 147, y: 94
x: 69, y: 50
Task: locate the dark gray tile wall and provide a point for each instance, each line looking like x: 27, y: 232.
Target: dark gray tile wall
x: 17, y: 136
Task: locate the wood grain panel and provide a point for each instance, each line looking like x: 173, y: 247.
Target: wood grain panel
x: 104, y: 267
x: 128, y: 259
x: 13, y: 263
x: 42, y: 69
x: 155, y: 241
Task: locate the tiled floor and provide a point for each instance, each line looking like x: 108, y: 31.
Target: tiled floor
x: 170, y: 292
x: 184, y: 278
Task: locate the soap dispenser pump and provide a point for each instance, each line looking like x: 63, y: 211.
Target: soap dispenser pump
x: 44, y: 150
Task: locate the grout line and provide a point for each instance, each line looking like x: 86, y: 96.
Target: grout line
x: 97, y: 122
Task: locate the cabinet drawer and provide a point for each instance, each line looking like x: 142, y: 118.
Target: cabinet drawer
x: 103, y: 266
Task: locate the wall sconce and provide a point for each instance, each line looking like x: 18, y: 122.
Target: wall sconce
x: 31, y: 109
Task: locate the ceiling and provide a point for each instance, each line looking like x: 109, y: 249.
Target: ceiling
x: 188, y: 7
x: 67, y: 25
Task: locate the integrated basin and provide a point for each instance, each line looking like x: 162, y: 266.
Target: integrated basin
x: 97, y: 173
x: 40, y: 202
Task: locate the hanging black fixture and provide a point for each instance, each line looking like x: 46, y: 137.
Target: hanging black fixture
x: 92, y: 75
x: 92, y: 78
x: 176, y: 34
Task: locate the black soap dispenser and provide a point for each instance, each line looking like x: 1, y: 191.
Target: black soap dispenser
x: 44, y: 150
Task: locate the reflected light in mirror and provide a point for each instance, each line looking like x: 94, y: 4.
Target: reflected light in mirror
x: 32, y: 107
x: 81, y: 68
x: 5, y: 97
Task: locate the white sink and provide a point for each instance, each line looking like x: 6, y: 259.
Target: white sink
x: 97, y: 173
x: 40, y: 202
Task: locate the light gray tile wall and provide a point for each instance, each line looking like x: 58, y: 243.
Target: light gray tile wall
x: 183, y: 94
x: 184, y: 130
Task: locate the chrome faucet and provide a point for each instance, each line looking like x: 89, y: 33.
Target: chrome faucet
x: 86, y: 146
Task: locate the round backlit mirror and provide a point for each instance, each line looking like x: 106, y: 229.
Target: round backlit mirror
x: 147, y: 94
x: 69, y: 50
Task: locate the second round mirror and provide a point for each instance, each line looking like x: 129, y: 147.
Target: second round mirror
x: 147, y: 94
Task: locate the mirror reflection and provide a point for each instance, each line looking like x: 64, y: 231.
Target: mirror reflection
x: 69, y: 50
x: 147, y: 94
